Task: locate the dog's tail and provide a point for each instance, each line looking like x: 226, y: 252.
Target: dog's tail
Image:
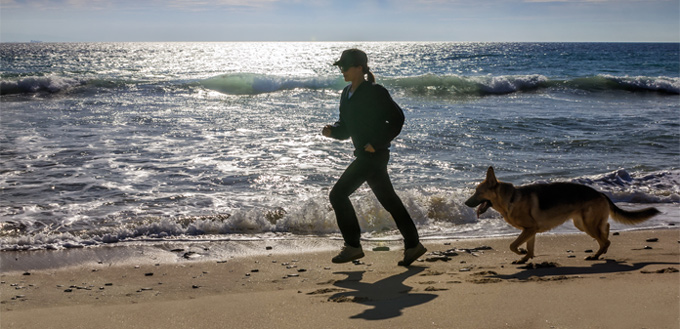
x: 631, y: 217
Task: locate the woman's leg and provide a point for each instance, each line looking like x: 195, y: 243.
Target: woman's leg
x: 351, y: 179
x: 382, y: 188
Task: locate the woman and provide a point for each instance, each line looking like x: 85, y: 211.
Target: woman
x: 370, y: 117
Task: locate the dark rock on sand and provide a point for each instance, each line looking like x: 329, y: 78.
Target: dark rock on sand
x: 437, y: 258
x: 325, y: 291
x: 191, y: 255
x: 348, y: 299
x: 432, y: 288
x: 485, y: 273
x: 665, y: 270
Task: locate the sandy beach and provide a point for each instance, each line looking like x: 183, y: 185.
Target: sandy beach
x: 469, y: 283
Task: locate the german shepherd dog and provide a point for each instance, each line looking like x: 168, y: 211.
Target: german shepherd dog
x: 541, y: 207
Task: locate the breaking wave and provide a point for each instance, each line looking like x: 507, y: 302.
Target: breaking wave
x: 445, y: 85
x: 621, y: 186
x: 250, y: 83
x: 608, y: 82
x: 454, y: 85
x: 31, y: 85
x: 56, y: 84
x: 426, y: 85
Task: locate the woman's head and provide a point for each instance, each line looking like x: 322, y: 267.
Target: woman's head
x: 351, y: 58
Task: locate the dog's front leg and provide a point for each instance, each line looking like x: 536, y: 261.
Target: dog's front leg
x: 528, y: 236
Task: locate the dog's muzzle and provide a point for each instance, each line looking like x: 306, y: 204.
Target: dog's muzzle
x: 484, y: 205
x: 473, y: 202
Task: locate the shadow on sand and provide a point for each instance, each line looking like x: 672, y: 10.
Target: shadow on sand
x: 610, y: 266
x: 389, y: 296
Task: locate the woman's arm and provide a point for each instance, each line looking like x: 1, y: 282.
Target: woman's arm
x: 338, y: 130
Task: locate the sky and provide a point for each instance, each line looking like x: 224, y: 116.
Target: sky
x: 340, y: 20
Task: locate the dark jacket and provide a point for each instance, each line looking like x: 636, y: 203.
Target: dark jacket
x: 370, y: 116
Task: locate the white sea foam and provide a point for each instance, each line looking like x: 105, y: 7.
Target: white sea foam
x: 662, y: 84
x: 509, y: 84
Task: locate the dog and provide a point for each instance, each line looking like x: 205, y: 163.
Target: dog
x: 541, y: 207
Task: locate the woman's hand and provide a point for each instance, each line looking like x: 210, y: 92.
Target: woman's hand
x: 327, y: 131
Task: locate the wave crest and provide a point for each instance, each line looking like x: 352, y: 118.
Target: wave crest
x: 424, y: 85
x: 666, y: 85
x: 461, y: 85
x: 454, y: 85
x: 621, y: 186
x: 29, y: 85
x: 252, y: 84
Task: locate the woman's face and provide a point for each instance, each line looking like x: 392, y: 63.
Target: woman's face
x: 352, y: 73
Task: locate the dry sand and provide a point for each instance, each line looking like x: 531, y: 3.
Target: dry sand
x: 631, y: 287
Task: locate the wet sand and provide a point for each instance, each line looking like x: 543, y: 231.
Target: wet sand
x: 468, y: 283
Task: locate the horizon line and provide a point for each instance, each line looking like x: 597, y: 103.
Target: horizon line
x: 338, y: 41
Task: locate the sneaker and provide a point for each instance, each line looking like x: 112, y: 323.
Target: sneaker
x: 348, y: 254
x: 411, y: 254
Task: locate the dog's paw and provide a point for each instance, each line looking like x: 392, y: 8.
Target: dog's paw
x: 519, y: 251
x: 520, y: 262
x: 592, y: 258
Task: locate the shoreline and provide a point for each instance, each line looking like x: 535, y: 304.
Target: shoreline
x: 80, y: 248
x: 630, y: 287
x: 179, y: 251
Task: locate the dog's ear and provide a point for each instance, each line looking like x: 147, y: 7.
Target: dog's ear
x: 491, y: 177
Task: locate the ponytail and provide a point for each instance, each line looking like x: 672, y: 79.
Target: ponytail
x: 371, y: 77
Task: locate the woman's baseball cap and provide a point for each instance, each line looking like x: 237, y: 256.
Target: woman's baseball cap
x: 352, y: 57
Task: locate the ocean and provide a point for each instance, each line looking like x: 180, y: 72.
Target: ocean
x: 106, y: 144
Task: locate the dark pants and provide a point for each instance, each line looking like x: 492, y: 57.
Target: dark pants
x: 373, y: 170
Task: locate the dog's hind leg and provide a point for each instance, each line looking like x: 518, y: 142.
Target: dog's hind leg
x: 603, y: 241
x: 599, y: 230
x: 530, y: 247
x: 528, y: 236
